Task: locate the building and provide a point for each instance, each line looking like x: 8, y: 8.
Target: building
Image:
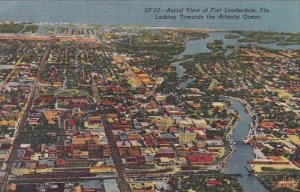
x: 187, y: 137
x: 287, y: 183
x: 272, y: 160
x: 92, y: 186
x: 218, y: 105
x: 200, y: 160
x: 111, y: 185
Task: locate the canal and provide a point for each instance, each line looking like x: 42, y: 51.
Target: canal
x: 243, y: 152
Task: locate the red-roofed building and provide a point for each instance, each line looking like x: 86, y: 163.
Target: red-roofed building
x: 149, y: 142
x: 200, y: 160
x: 291, y: 131
x: 165, y: 153
x: 213, y: 182
x: 268, y: 125
x: 108, y: 102
x: 60, y: 162
x: 71, y: 123
x: 136, y: 160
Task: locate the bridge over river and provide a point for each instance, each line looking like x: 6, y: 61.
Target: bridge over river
x: 237, y: 163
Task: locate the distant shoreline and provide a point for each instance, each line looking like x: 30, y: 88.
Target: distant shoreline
x: 195, y: 29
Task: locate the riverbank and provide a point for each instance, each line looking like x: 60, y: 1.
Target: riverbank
x: 248, y: 109
x: 242, y: 152
x: 228, y: 138
x: 229, y: 134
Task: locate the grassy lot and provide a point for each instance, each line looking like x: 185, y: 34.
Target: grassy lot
x: 72, y: 92
x: 11, y: 27
x: 30, y: 29
x: 48, y: 30
x: 231, y: 36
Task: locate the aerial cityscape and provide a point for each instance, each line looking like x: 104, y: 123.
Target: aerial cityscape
x: 123, y: 108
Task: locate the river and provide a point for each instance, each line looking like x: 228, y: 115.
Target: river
x: 195, y: 46
x: 243, y: 152
x: 200, y: 45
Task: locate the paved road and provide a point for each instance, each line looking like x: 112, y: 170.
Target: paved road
x: 24, y: 116
x: 124, y: 186
x: 61, y: 179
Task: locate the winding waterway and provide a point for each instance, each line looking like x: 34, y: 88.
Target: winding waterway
x: 243, y: 152
x: 200, y: 45
x: 195, y: 46
x: 180, y: 72
x: 237, y: 162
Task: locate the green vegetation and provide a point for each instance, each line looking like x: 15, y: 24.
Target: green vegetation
x: 212, y: 84
x: 262, y: 37
x: 201, y: 183
x: 292, y: 40
x: 215, y: 45
x: 95, y: 26
x: 283, y: 189
x: 147, y: 166
x: 271, y: 169
x: 38, y: 135
x: 5, y: 130
x: 4, y: 73
x: 30, y: 29
x: 48, y: 30
x: 270, y: 37
x: 72, y: 93
x: 168, y: 85
x: 231, y: 36
x: 162, y: 45
x: 270, y: 181
x: 11, y: 27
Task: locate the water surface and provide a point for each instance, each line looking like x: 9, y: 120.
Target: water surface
x: 283, y: 15
x: 243, y: 153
